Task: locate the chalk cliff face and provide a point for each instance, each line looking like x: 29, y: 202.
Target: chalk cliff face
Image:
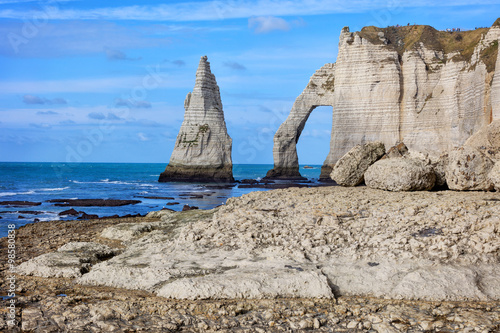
x: 430, y: 89
x: 202, y: 151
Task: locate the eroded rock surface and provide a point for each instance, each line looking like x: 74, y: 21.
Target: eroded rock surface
x: 468, y: 170
x: 343, y: 241
x: 70, y: 261
x: 202, y: 151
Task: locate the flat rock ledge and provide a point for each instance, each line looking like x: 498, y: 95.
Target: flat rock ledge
x: 319, y: 242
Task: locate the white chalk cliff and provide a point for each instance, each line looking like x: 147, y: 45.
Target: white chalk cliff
x: 203, y: 148
x: 430, y: 89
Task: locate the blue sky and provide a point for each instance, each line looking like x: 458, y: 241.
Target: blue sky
x: 94, y: 81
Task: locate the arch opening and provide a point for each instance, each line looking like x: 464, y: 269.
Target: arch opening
x: 313, y: 144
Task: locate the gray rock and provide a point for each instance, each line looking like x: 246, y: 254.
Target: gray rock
x: 202, y: 150
x: 349, y: 170
x: 400, y: 174
x: 468, y: 170
x: 70, y: 261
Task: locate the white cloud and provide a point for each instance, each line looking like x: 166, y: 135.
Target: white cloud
x: 143, y: 137
x: 217, y: 10
x: 264, y: 24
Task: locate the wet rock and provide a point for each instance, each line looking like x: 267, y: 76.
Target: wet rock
x: 400, y: 174
x: 349, y: 170
x: 86, y: 216
x: 19, y: 203
x: 93, y: 202
x: 71, y: 211
x: 187, y: 208
x: 172, y: 203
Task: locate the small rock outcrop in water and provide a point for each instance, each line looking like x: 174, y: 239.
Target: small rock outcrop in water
x: 400, y: 174
x: 202, y: 151
x: 427, y: 88
x: 349, y: 170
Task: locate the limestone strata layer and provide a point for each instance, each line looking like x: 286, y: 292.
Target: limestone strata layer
x: 202, y: 151
x: 429, y: 89
x: 317, y: 243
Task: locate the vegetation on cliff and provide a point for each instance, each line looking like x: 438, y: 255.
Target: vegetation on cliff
x: 459, y: 44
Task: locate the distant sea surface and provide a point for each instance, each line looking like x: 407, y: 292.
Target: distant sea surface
x: 40, y: 182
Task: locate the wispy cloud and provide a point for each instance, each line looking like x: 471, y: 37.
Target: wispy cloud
x: 113, y: 54
x: 97, y: 85
x: 32, y: 99
x: 215, y: 10
x: 47, y: 113
x: 264, y: 24
x: 179, y: 63
x: 143, y: 137
x: 62, y: 38
x: 234, y: 65
x: 97, y: 115
x: 132, y: 103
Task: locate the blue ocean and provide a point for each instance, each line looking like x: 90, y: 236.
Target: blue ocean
x: 41, y: 182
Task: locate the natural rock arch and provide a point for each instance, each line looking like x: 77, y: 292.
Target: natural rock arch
x: 386, y: 86
x: 319, y: 92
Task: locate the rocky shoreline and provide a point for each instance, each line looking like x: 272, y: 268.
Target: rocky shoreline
x: 360, y: 239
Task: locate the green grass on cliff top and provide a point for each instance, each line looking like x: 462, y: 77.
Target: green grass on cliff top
x: 408, y: 37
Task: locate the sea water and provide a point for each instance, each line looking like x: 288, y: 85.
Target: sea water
x: 40, y: 182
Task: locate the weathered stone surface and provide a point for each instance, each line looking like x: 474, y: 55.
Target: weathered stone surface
x: 468, y: 170
x: 399, y: 150
x: 400, y: 174
x: 487, y: 137
x: 202, y: 150
x: 350, y: 169
x: 494, y: 176
x: 70, y: 260
x: 428, y: 93
x: 270, y: 282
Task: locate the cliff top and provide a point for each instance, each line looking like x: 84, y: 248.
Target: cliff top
x: 405, y: 38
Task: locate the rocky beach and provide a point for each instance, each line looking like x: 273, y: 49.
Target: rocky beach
x: 328, y: 259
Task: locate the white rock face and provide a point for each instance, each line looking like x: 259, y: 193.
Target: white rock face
x: 350, y: 169
x: 413, y: 93
x: 70, y: 260
x: 203, y: 148
x: 400, y: 174
x: 468, y: 170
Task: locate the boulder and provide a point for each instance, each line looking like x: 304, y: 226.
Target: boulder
x: 349, y: 170
x: 468, y: 170
x: 399, y: 150
x: 400, y: 174
x: 487, y: 137
x: 494, y: 176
